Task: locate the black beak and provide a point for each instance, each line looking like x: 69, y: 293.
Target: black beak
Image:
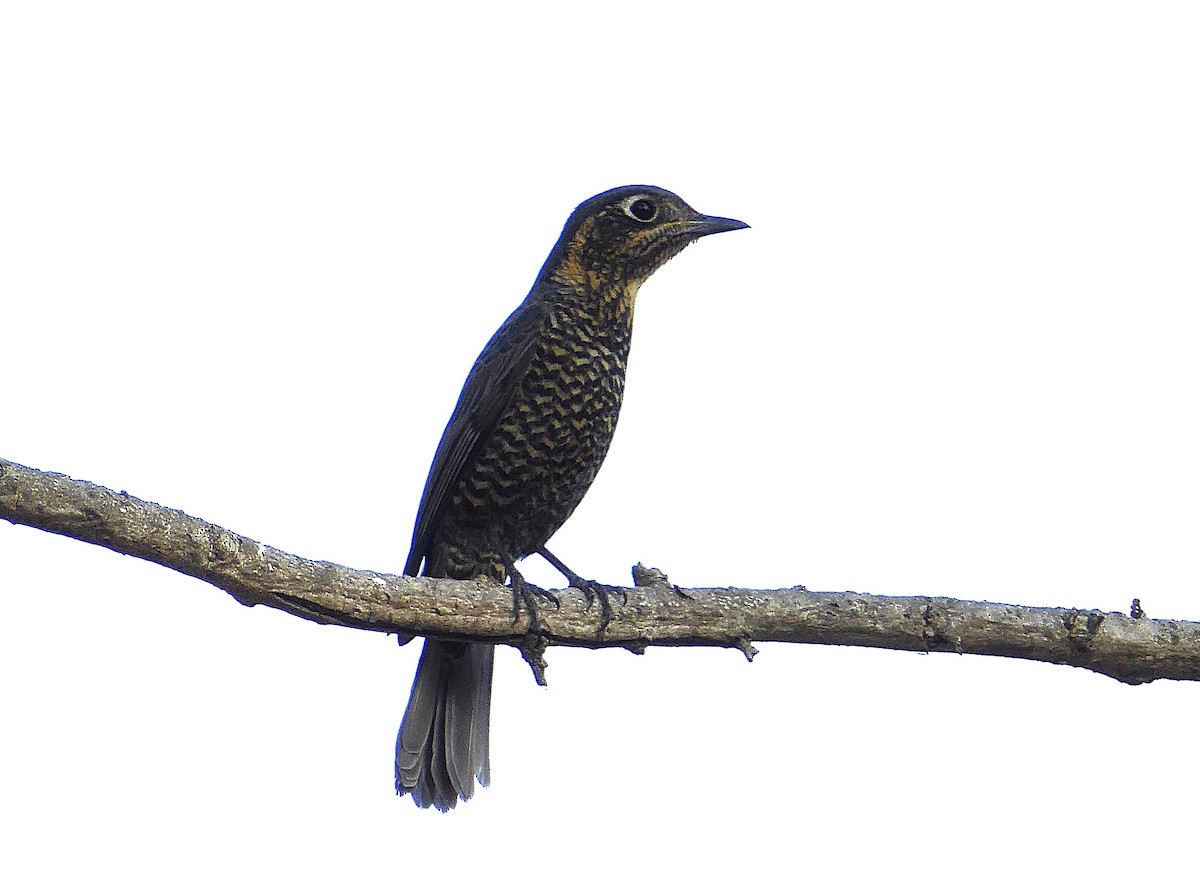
x: 706, y: 224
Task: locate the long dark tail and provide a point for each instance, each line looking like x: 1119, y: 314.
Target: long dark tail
x: 443, y: 743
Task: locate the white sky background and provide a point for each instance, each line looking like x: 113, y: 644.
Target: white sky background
x: 250, y: 251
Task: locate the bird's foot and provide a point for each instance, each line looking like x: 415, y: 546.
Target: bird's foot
x: 595, y: 592
x: 526, y: 595
x: 592, y: 591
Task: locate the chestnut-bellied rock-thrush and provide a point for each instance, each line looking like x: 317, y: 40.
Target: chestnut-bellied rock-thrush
x: 526, y: 439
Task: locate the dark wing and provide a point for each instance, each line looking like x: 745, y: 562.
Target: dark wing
x: 488, y: 390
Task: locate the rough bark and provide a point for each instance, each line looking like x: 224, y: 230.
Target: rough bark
x: 1132, y: 650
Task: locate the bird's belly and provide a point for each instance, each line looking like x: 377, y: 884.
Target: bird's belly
x: 535, y: 467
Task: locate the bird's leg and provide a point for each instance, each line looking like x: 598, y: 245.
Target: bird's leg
x: 526, y: 595
x: 592, y: 590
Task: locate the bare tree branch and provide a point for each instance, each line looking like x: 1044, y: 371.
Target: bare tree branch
x: 1132, y: 650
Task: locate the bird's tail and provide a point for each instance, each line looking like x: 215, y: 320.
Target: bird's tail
x: 443, y: 743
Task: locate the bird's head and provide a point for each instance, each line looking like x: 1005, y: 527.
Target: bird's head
x: 614, y: 241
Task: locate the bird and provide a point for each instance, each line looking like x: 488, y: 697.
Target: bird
x: 526, y: 439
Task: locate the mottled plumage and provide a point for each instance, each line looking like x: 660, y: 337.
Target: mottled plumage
x: 526, y: 439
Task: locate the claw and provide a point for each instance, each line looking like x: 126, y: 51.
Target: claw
x: 526, y: 595
x: 592, y: 591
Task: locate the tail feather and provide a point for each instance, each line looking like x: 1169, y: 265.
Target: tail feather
x: 468, y: 702
x: 443, y: 743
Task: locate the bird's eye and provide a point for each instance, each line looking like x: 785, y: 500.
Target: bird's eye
x: 642, y: 209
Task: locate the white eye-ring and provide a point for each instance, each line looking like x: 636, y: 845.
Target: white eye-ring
x: 641, y: 209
